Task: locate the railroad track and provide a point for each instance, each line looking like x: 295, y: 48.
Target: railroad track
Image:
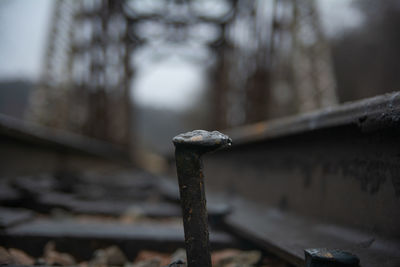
x: 328, y: 179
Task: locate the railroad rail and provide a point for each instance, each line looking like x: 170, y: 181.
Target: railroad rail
x: 329, y: 178
x: 43, y: 149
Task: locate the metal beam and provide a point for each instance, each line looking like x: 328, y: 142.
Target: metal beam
x: 339, y: 166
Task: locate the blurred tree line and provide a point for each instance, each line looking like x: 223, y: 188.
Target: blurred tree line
x: 367, y: 58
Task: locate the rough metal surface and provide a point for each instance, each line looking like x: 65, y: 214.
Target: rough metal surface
x: 317, y: 257
x: 189, y: 148
x: 201, y: 140
x: 368, y: 115
x: 345, y: 169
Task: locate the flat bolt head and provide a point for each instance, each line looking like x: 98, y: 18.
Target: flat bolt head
x: 335, y: 257
x: 203, y: 141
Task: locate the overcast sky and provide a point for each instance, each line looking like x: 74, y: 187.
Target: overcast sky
x: 23, y: 32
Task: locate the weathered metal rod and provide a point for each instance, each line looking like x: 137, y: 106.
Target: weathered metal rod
x: 189, y: 147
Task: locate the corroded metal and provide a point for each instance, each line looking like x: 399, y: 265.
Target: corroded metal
x: 322, y: 257
x: 189, y: 147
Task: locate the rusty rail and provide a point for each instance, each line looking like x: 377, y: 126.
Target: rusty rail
x: 41, y: 149
x: 324, y: 179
